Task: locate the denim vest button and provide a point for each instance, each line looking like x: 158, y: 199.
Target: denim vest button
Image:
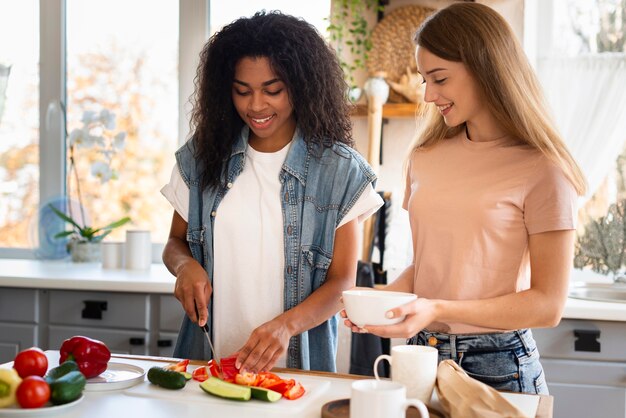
x: 213, y: 214
x: 432, y: 341
x: 289, y: 230
x: 289, y: 270
x: 286, y: 197
x: 229, y: 185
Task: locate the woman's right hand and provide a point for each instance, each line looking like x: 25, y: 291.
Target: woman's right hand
x: 193, y: 290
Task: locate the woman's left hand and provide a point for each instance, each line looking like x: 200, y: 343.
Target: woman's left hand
x: 418, y: 315
x: 264, y: 346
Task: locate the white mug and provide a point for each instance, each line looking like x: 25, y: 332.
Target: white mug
x: 112, y: 255
x: 373, y: 398
x: 138, y: 250
x: 415, y: 366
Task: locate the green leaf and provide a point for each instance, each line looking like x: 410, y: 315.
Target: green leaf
x: 64, y: 216
x: 64, y: 234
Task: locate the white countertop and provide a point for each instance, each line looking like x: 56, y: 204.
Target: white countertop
x: 65, y: 274
x: 40, y: 274
x: 190, y: 402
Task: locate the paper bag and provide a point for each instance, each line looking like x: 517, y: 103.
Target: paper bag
x: 463, y: 396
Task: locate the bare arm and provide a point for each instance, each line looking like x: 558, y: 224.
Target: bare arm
x: 270, y: 340
x: 193, y: 288
x: 551, y: 255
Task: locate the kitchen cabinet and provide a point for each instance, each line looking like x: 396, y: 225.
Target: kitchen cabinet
x: 128, y: 322
x: 585, y: 367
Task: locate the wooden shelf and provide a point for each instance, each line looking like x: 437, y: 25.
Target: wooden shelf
x: 390, y: 110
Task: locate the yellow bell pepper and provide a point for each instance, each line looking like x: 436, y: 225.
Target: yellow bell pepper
x: 9, y: 381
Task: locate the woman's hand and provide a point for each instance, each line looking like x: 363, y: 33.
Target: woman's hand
x: 193, y: 290
x: 418, y: 314
x: 264, y: 346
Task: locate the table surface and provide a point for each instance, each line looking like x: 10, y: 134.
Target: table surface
x: 120, y: 403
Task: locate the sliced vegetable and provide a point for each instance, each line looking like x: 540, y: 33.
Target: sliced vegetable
x: 181, y: 366
x: 294, y: 392
x: 167, y: 379
x: 200, y: 374
x: 31, y: 362
x: 218, y: 387
x: 229, y: 370
x: 33, y: 392
x: 67, y: 388
x: 246, y: 379
x: 92, y: 356
x: 265, y: 394
x: 214, y: 368
x: 9, y: 381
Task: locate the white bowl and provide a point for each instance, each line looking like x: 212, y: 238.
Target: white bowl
x: 368, y: 307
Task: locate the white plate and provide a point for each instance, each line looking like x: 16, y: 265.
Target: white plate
x: 16, y: 411
x: 116, y: 376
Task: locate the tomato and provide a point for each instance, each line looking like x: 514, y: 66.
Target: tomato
x: 33, y: 392
x: 200, y: 374
x: 31, y: 362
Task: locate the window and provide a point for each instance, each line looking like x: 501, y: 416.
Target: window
x: 19, y: 120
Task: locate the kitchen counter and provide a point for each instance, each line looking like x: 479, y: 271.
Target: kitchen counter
x: 126, y: 403
x: 65, y: 274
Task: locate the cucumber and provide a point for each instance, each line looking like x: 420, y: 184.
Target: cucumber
x: 265, y: 394
x: 187, y: 375
x: 61, y: 370
x: 67, y: 388
x: 167, y: 379
x: 218, y: 387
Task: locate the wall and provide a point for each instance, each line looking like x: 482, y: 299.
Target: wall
x: 397, y: 136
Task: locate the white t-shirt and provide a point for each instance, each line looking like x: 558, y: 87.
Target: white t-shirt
x: 249, y: 247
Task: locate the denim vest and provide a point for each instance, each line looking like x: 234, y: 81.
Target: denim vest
x: 318, y: 188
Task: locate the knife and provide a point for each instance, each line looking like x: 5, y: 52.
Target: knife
x: 205, y: 328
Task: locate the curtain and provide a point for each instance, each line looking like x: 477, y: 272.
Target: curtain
x: 587, y: 95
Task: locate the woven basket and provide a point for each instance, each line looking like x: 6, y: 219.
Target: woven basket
x: 393, y: 49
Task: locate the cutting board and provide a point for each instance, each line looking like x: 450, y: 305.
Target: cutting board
x: 192, y: 393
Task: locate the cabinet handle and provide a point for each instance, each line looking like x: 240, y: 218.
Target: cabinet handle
x: 137, y: 341
x: 93, y: 309
x: 164, y: 343
x: 587, y: 340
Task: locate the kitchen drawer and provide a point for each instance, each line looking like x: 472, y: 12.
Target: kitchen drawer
x: 166, y: 341
x: 100, y: 309
x: 171, y: 313
x: 588, y: 401
x: 19, y: 305
x: 15, y: 338
x: 118, y: 341
x: 584, y: 372
x: 560, y: 342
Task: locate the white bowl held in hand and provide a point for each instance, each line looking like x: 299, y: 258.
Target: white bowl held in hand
x: 368, y: 307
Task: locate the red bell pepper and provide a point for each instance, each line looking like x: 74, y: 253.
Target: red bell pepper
x: 214, y: 368
x: 294, y: 392
x: 229, y: 371
x: 92, y: 356
x: 200, y: 374
x: 181, y: 366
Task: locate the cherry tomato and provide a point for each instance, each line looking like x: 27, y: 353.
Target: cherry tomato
x: 33, y: 392
x: 31, y: 362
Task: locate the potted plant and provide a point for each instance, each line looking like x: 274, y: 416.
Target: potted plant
x: 603, y: 245
x: 96, y: 134
x: 350, y: 33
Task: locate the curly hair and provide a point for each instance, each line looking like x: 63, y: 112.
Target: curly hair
x: 298, y: 55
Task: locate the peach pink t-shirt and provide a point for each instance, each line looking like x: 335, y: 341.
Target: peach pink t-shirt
x: 472, y: 206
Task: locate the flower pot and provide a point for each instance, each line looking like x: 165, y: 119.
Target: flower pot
x: 85, y: 251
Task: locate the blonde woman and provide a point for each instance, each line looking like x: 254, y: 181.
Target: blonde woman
x: 491, y: 193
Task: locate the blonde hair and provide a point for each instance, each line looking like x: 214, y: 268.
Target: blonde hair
x: 478, y: 37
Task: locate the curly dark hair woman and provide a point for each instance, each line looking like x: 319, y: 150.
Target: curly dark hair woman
x: 298, y: 55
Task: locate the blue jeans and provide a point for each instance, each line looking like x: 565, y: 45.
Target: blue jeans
x: 506, y: 361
